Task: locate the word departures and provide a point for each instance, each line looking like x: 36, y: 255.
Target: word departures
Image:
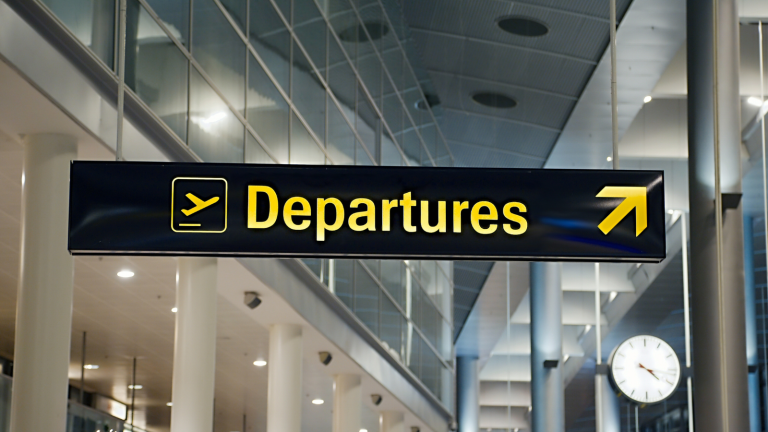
x: 366, y: 212
x: 363, y: 214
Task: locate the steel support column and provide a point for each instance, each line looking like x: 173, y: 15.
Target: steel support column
x: 467, y: 394
x: 717, y: 251
x: 547, y: 397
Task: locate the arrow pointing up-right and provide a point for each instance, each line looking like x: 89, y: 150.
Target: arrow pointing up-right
x: 635, y: 198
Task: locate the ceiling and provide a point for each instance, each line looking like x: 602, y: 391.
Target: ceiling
x: 465, y: 52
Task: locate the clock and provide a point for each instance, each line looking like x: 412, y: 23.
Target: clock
x: 645, y: 369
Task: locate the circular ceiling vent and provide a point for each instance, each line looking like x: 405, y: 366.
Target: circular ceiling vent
x: 356, y: 33
x: 523, y: 26
x: 494, y: 100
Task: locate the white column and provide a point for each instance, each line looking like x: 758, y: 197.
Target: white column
x: 347, y: 403
x: 44, y: 303
x: 194, y: 359
x: 467, y: 394
x: 392, y: 421
x: 284, y: 389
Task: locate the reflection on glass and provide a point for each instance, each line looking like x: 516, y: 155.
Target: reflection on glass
x: 236, y: 9
x: 362, y: 155
x: 220, y: 51
x: 267, y: 112
x: 91, y: 21
x: 343, y: 281
x: 367, y: 122
x: 311, y: 30
x: 157, y: 71
x: 390, y: 155
x: 342, y: 80
x: 304, y: 149
x: 412, y: 147
x: 341, y: 140
x: 215, y: 134
x: 392, y: 323
x: 308, y: 94
x: 175, y: 17
x: 254, y: 152
x: 271, y: 40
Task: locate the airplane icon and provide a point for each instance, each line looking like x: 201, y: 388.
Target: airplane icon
x: 199, y: 204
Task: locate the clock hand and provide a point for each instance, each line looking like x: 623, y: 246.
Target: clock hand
x: 649, y: 371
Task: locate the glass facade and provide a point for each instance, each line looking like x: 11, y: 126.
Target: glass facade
x: 299, y: 82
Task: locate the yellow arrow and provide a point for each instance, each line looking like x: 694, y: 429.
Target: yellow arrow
x: 635, y: 198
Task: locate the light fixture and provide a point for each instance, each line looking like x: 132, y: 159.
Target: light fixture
x: 522, y: 26
x: 670, y: 211
x: 215, y: 117
x: 494, y: 100
x: 317, y: 401
x: 587, y: 328
x: 609, y: 158
x: 363, y: 430
x: 136, y: 387
x: 174, y: 309
x: 125, y: 273
x: 612, y: 296
x: 91, y: 367
x: 169, y: 404
x: 566, y: 357
x: 530, y: 408
x: 754, y: 101
x: 647, y: 99
x: 252, y: 299
x: 260, y: 363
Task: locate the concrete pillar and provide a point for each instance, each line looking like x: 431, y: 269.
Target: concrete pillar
x: 547, y: 396
x: 194, y: 359
x: 751, y: 326
x: 392, y: 421
x: 44, y: 302
x: 609, y: 406
x: 347, y: 403
x: 717, y: 250
x: 284, y: 388
x: 467, y: 394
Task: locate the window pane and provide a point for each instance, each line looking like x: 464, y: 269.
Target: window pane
x: 343, y: 282
x: 311, y: 30
x: 157, y: 71
x: 412, y: 147
x: 219, y: 51
x: 215, y: 134
x: 175, y: 16
x: 308, y: 94
x: 236, y: 9
x: 361, y: 155
x: 92, y: 22
x: 271, y: 40
x: 390, y: 155
x: 304, y: 149
x: 341, y: 140
x: 268, y: 112
x: 392, y: 322
x: 342, y: 80
x: 254, y: 153
x: 392, y: 279
x: 366, y: 299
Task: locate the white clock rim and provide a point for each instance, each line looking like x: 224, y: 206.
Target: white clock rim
x: 639, y: 402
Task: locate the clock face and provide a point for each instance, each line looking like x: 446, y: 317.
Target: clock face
x: 645, y: 369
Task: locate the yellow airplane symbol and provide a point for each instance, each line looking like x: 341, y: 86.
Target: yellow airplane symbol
x: 635, y: 198
x: 199, y: 204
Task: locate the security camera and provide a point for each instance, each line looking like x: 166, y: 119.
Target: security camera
x: 415, y: 429
x: 325, y: 357
x: 376, y: 399
x: 252, y: 299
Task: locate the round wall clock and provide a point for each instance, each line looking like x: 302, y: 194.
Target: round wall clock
x: 645, y: 369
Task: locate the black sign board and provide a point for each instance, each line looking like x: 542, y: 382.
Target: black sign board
x: 134, y: 208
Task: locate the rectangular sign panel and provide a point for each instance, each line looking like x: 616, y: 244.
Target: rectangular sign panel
x: 133, y: 208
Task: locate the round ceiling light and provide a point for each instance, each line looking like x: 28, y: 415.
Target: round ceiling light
x: 523, y: 26
x: 494, y: 100
x: 356, y: 33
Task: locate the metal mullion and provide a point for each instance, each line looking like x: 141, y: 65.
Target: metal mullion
x: 405, y: 62
x: 349, y: 123
x: 392, y: 299
x: 247, y: 77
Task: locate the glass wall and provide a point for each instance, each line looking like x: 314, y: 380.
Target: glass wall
x: 298, y: 82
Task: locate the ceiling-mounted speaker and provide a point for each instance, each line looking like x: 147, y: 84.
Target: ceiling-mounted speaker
x: 325, y: 357
x: 251, y: 299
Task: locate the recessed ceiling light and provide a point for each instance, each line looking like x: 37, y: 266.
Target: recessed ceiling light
x: 136, y: 387
x: 169, y: 404
x: 90, y: 367
x: 612, y: 296
x: 318, y: 401
x: 523, y: 26
x: 363, y: 430
x: 260, y: 363
x: 754, y: 101
x: 174, y: 309
x: 647, y: 99
x: 609, y: 158
x: 125, y: 273
x: 494, y: 100
x: 356, y: 33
